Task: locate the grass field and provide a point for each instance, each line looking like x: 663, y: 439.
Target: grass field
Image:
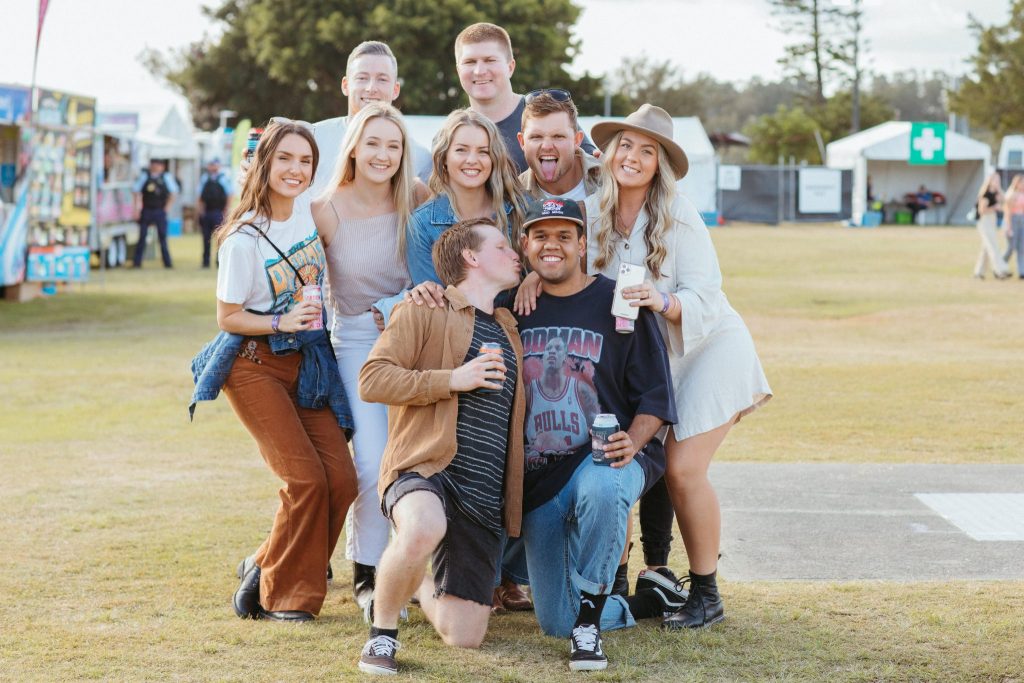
x: 122, y: 523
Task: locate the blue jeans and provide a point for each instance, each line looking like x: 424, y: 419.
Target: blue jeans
x: 573, y: 543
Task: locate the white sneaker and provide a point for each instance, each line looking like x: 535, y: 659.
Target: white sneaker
x: 585, y: 651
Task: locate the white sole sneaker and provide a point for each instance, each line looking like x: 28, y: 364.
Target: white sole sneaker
x: 588, y: 666
x: 376, y: 670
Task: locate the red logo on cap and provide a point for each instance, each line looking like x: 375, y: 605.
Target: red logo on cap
x: 552, y: 206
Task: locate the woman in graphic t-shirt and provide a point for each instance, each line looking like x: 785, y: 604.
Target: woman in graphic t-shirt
x: 282, y: 374
x: 362, y: 220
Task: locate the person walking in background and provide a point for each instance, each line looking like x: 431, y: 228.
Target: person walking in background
x: 153, y: 193
x: 214, y: 194
x: 473, y: 177
x: 279, y: 372
x: 1013, y: 223
x: 361, y: 219
x: 638, y: 217
x: 990, y: 198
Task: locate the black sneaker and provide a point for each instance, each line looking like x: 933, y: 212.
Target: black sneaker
x: 645, y: 579
x: 702, y: 608
x: 378, y: 656
x: 585, y: 651
x: 663, y: 584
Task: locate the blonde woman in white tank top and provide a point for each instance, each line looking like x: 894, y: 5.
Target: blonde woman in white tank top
x: 361, y: 220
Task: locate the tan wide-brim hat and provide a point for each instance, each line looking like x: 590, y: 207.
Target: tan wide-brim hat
x: 649, y: 120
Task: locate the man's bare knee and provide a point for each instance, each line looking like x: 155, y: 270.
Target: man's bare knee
x: 420, y: 523
x: 464, y: 640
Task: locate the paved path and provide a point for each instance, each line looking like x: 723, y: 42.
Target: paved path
x: 841, y: 522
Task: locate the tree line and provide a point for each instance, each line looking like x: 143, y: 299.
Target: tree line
x: 287, y: 57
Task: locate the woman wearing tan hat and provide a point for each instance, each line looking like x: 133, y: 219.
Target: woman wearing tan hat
x: 639, y: 217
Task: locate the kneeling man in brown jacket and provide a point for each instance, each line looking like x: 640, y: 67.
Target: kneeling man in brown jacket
x: 451, y: 479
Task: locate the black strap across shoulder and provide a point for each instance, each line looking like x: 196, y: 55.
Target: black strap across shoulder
x: 278, y: 250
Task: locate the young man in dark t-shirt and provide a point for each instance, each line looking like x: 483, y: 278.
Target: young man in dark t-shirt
x: 575, y: 510
x: 451, y: 475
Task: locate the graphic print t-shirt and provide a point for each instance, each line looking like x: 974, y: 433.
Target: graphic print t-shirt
x: 576, y: 365
x: 253, y: 274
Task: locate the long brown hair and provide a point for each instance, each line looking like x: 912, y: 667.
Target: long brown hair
x: 503, y: 183
x: 254, y: 203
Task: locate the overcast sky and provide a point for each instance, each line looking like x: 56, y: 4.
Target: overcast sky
x: 91, y: 47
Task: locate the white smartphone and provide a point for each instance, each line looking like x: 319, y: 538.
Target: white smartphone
x: 629, y: 275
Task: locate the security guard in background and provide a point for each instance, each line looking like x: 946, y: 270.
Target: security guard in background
x: 214, y: 195
x: 154, y: 191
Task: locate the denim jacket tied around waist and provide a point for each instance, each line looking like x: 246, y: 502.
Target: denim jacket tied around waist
x: 319, y: 380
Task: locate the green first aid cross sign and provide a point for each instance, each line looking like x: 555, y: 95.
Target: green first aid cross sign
x: 927, y: 144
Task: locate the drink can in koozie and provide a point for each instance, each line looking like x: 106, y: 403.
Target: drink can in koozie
x: 490, y: 347
x: 604, y: 426
x: 313, y: 293
x: 624, y: 325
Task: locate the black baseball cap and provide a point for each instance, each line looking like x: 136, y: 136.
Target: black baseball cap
x: 555, y: 207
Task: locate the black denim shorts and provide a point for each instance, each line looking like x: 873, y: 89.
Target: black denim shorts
x: 465, y: 562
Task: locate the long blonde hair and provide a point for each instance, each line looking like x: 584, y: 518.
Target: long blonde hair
x: 401, y: 182
x: 502, y: 185
x: 658, y: 203
x: 254, y: 202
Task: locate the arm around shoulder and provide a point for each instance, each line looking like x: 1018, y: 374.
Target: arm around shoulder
x: 390, y: 374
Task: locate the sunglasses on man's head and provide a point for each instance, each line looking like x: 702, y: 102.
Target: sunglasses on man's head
x: 283, y: 120
x: 557, y: 94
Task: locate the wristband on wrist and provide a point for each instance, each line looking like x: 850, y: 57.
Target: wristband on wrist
x: 666, y: 303
x: 275, y: 322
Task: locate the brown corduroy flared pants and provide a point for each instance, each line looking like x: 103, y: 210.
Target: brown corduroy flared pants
x: 305, y: 448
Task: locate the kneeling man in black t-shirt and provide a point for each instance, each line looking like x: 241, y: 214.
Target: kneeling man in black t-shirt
x: 576, y: 366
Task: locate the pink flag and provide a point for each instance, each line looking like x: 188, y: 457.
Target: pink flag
x: 43, y: 4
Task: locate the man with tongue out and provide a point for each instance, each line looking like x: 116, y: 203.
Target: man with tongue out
x: 550, y: 139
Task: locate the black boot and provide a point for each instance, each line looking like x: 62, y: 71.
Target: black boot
x: 246, y: 600
x: 363, y: 581
x: 702, y: 608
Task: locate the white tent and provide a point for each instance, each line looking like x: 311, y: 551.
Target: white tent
x: 881, y: 153
x: 698, y: 185
x: 1011, y: 153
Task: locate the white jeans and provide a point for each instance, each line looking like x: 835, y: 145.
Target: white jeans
x: 366, y: 528
x: 989, y: 248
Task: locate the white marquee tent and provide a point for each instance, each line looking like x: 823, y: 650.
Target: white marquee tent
x: 882, y: 152
x: 699, y: 185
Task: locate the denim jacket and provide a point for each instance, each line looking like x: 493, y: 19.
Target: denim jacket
x: 319, y: 380
x: 424, y: 227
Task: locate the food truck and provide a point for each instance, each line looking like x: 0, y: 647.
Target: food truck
x: 48, y: 188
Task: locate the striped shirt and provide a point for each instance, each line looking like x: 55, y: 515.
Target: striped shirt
x: 475, y: 477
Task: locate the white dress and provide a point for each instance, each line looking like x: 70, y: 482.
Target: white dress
x: 715, y: 369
